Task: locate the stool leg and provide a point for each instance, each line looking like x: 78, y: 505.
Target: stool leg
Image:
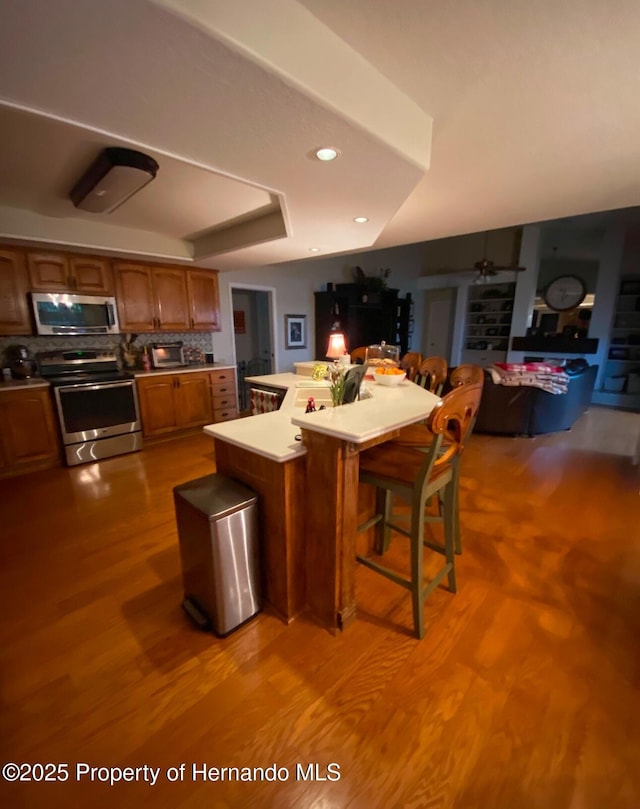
x: 417, y: 560
x: 450, y: 505
x: 383, y: 532
x: 456, y: 504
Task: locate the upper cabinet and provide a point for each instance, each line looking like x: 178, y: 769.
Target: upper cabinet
x: 151, y: 299
x: 61, y: 272
x: 14, y: 312
x: 204, y: 303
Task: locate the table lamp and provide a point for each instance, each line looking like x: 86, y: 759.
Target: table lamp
x: 336, y: 347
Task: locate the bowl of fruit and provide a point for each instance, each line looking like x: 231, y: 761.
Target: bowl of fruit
x: 389, y: 376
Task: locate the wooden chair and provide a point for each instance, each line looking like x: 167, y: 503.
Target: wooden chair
x: 465, y: 374
x: 432, y: 374
x: 411, y: 363
x: 358, y: 355
x: 416, y: 474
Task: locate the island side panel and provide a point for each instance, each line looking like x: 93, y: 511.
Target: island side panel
x: 331, y: 518
x: 281, y: 497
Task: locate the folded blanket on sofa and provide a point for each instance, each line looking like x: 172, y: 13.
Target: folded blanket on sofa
x: 534, y: 374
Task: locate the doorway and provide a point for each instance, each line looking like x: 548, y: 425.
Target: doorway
x: 439, y: 315
x: 253, y: 334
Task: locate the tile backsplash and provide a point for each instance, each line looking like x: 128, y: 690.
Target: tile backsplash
x: 199, y: 340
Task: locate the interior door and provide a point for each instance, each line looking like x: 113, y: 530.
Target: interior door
x: 439, y: 311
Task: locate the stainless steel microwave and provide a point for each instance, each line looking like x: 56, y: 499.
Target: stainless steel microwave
x: 60, y: 313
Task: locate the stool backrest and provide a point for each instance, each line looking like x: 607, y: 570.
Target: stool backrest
x: 432, y: 374
x: 411, y: 363
x: 466, y: 374
x: 358, y: 355
x: 454, y: 417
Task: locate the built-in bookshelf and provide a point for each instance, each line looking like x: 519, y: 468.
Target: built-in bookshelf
x: 488, y: 322
x: 621, y: 380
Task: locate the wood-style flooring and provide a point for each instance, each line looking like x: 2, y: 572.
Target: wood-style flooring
x: 524, y: 694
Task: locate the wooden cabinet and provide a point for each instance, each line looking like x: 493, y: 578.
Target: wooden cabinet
x: 224, y: 394
x: 172, y: 402
x: 151, y: 299
x: 14, y: 310
x: 488, y: 323
x: 63, y: 272
x: 204, y: 302
x: 28, y: 432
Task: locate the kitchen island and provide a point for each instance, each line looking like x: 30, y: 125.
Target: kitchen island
x: 304, y: 467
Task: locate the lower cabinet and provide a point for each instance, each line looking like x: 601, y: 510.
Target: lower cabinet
x: 224, y: 394
x: 28, y: 431
x: 180, y: 401
x: 172, y: 402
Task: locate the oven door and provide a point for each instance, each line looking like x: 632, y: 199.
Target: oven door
x: 91, y: 411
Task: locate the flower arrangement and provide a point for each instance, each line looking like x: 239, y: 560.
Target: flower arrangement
x: 336, y: 374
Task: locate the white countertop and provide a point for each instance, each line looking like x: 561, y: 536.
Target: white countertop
x: 272, y: 435
x: 22, y: 384
x: 182, y: 369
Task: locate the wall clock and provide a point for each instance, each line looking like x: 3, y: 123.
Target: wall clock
x: 565, y: 292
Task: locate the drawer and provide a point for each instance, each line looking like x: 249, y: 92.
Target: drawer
x: 224, y: 388
x: 223, y: 375
x: 225, y: 415
x: 225, y: 402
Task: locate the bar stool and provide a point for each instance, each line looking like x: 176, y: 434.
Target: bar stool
x: 414, y: 434
x: 359, y: 354
x: 432, y: 374
x: 411, y: 363
x: 416, y: 474
x: 466, y: 374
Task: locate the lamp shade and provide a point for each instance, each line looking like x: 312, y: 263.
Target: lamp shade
x: 336, y: 347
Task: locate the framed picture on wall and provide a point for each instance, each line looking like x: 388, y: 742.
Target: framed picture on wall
x: 295, y: 331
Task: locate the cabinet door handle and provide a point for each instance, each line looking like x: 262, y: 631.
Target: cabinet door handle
x: 193, y: 325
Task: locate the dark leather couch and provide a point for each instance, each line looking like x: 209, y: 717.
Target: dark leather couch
x: 526, y: 410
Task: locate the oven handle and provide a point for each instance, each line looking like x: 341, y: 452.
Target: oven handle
x: 99, y: 386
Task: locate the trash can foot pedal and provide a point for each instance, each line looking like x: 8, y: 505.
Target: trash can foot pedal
x: 195, y: 613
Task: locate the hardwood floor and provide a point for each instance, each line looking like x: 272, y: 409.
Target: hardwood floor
x: 524, y: 694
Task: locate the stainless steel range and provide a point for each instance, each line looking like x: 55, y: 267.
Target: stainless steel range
x: 97, y: 404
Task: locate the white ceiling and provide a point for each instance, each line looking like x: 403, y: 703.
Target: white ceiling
x: 450, y: 118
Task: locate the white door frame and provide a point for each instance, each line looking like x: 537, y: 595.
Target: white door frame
x: 271, y: 292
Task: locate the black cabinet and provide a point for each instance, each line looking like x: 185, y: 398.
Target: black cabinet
x: 365, y: 316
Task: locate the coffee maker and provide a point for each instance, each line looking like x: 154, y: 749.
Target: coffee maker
x: 20, y: 361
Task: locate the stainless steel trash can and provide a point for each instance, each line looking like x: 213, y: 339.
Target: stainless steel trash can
x: 217, y: 532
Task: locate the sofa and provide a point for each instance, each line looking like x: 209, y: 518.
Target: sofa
x: 526, y: 410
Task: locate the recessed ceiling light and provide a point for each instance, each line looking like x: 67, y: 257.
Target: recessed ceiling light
x: 361, y: 219
x: 314, y: 249
x: 326, y: 153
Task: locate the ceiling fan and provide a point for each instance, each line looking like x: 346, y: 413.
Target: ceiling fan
x: 486, y: 269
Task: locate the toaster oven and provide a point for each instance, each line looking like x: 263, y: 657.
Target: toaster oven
x: 167, y: 355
